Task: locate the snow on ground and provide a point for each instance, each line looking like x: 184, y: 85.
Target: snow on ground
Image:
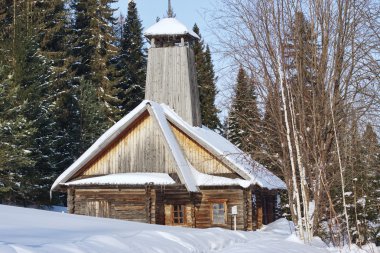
x: 28, y: 230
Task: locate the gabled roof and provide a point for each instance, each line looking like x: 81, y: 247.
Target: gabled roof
x: 113, y: 133
x: 251, y: 171
x: 231, y: 155
x: 169, y: 27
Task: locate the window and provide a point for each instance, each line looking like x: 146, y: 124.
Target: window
x: 219, y: 212
x: 178, y: 214
x: 98, y: 208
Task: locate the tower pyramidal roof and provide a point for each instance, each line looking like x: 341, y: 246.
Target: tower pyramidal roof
x: 169, y: 27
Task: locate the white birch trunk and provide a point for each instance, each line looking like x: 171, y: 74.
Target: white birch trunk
x: 296, y: 195
x: 341, y: 170
x: 304, y: 187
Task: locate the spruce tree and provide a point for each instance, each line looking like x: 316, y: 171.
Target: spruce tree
x: 363, y: 174
x: 206, y: 83
x: 271, y: 135
x: 25, y: 118
x: 6, y: 22
x: 61, y: 137
x: 131, y: 62
x: 91, y: 53
x: 244, y: 118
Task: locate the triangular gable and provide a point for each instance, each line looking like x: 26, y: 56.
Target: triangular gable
x: 116, y: 130
x: 228, y: 153
x: 218, y: 146
x: 189, y: 130
x: 199, y: 157
x: 140, y: 148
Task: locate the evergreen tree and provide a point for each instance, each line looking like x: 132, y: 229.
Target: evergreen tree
x: 25, y: 118
x: 131, y: 62
x: 206, y: 83
x: 367, y: 186
x: 61, y: 138
x: 363, y: 174
x: 244, y: 118
x: 119, y: 30
x: 90, y: 118
x: 63, y: 94
x: 6, y: 22
x: 15, y: 143
x: 91, y: 53
x: 271, y: 134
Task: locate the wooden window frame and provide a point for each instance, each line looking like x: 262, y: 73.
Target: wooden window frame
x: 98, y: 208
x: 218, y: 201
x: 183, y: 208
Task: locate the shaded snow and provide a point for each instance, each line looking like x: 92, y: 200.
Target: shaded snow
x: 126, y: 179
x: 34, y: 231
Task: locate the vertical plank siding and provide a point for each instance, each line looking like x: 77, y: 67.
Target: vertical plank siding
x: 198, y: 156
x: 141, y: 149
x: 171, y: 79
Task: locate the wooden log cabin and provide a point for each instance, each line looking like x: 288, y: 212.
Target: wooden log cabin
x: 159, y: 165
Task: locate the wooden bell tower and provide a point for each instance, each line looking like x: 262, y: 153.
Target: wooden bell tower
x: 171, y: 76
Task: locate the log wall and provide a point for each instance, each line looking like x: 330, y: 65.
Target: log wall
x: 234, y: 197
x: 154, y: 204
x: 125, y: 204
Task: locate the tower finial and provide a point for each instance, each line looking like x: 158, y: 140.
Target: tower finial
x: 170, y: 12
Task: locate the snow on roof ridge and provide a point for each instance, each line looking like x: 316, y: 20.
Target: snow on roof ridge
x: 266, y: 180
x: 257, y: 173
x: 175, y: 148
x: 169, y: 26
x: 126, y: 179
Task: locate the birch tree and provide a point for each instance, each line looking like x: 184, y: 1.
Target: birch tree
x: 319, y: 81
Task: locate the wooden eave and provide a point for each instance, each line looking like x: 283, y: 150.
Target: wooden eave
x: 210, y: 149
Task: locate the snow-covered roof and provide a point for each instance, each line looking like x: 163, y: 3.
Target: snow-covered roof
x: 251, y: 171
x: 203, y: 179
x: 245, y: 166
x: 184, y: 170
x: 126, y: 179
x: 169, y: 26
x: 100, y: 144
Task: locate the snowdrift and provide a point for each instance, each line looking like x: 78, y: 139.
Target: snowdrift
x: 27, y: 231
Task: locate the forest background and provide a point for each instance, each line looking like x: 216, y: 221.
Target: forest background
x: 304, y: 102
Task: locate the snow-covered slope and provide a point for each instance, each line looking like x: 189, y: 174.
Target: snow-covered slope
x: 28, y: 231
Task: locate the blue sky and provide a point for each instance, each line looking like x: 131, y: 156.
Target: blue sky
x: 187, y: 11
